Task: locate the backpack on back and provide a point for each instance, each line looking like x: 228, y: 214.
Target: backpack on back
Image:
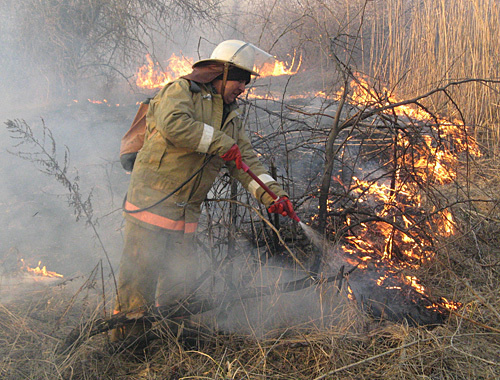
x: 133, y: 140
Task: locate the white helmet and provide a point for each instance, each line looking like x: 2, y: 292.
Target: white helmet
x: 237, y: 53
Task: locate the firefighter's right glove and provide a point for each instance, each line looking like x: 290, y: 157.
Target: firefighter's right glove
x: 284, y: 207
x: 233, y: 154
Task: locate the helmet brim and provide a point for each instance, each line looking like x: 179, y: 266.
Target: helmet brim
x: 211, y: 60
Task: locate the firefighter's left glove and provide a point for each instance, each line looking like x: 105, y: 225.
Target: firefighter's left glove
x: 233, y: 154
x: 284, y: 207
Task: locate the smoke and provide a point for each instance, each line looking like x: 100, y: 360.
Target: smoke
x: 36, y: 218
x: 40, y: 225
x: 38, y: 221
x: 255, y: 303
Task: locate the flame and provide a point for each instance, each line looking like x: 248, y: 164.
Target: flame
x: 278, y: 68
x: 42, y: 272
x: 454, y: 131
x: 269, y: 95
x: 415, y: 284
x: 378, y: 239
x: 429, y: 157
x: 151, y: 77
x: 392, y: 224
x: 450, y: 305
x: 103, y: 102
x: 350, y: 293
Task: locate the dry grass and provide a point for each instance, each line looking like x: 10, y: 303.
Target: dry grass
x: 467, y: 346
x: 431, y: 49
x: 34, y: 323
x: 409, y: 47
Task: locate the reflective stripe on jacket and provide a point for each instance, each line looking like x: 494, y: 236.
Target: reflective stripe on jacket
x: 184, y: 126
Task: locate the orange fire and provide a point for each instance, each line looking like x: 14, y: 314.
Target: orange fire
x: 151, y: 76
x: 450, y: 305
x: 454, y: 132
x: 42, y: 272
x: 103, y: 102
x: 278, y: 68
x: 388, y: 225
x: 433, y: 159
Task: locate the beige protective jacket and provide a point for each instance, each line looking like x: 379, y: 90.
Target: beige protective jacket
x: 184, y: 127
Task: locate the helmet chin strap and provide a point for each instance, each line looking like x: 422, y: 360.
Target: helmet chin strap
x: 224, y: 79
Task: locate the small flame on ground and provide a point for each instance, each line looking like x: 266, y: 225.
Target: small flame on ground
x: 450, y: 305
x: 42, y: 272
x: 350, y: 294
x: 103, y: 102
x: 415, y: 284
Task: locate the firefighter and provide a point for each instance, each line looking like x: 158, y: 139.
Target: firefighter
x: 194, y: 127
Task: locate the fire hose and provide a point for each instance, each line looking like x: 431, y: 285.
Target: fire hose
x: 186, y: 308
x: 245, y: 168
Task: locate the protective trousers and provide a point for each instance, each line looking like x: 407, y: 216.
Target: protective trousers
x: 157, y: 268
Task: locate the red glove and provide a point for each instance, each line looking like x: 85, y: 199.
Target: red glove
x: 233, y: 154
x: 284, y: 207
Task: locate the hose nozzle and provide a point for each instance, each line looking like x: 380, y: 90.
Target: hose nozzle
x: 266, y: 188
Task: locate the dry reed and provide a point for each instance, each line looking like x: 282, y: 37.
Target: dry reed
x: 416, y: 46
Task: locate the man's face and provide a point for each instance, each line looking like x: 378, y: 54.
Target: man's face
x: 234, y: 88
